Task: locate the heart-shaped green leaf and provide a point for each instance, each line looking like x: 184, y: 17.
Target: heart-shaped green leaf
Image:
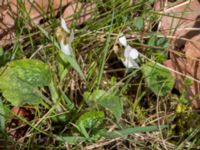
x: 20, y: 79
x: 91, y: 119
x: 108, y: 100
x: 158, y: 79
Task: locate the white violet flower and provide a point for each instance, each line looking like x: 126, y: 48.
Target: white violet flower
x: 64, y: 25
x: 122, y: 40
x: 130, y: 54
x: 65, y: 37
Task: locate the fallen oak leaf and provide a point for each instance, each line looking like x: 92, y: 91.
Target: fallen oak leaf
x: 84, y: 9
x: 191, y: 91
x: 192, y: 49
x: 188, y: 66
x: 180, y: 19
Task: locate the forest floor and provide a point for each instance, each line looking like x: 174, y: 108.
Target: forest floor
x: 99, y: 74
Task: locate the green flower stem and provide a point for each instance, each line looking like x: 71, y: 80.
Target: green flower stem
x: 54, y: 95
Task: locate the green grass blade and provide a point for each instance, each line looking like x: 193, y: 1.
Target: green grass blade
x: 129, y: 131
x: 69, y: 103
x: 2, y: 117
x: 192, y: 135
x: 105, y: 52
x: 71, y: 139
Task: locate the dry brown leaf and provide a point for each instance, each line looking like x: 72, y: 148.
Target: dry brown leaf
x: 188, y: 66
x: 85, y: 10
x: 19, y: 111
x: 9, y: 11
x: 192, y: 49
x: 16, y: 127
x: 179, y: 19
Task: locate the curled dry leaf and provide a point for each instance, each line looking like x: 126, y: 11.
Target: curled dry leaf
x: 10, y: 10
x: 85, y: 10
x: 192, y: 48
x: 180, y: 19
x: 190, y: 65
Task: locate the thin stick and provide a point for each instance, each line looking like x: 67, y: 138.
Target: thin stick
x: 100, y: 144
x: 179, y: 5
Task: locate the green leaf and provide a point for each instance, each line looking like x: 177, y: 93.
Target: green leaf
x: 108, y: 100
x: 83, y: 131
x: 187, y: 82
x: 72, y: 61
x: 114, y: 104
x: 182, y: 99
x: 152, y: 40
x: 69, y: 103
x: 130, y: 131
x: 139, y: 23
x: 158, y: 79
x: 156, y: 48
x: 93, y: 98
x: 162, y: 42
x: 90, y: 119
x: 20, y: 80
